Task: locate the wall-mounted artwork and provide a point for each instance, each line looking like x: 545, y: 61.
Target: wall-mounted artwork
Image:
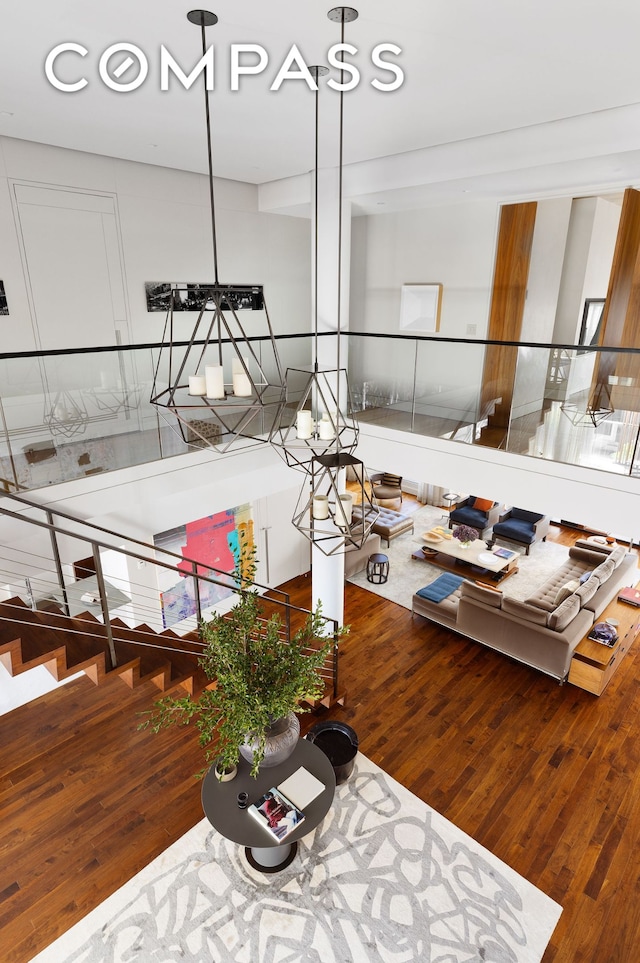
x: 214, y: 542
x: 4, y: 307
x: 420, y: 307
x: 591, y: 321
x: 191, y: 297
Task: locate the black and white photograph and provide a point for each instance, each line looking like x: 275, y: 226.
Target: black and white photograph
x: 4, y: 307
x: 188, y: 296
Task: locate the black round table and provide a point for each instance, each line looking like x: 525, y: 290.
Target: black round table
x: 220, y: 805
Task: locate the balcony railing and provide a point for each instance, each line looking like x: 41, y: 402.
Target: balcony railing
x: 70, y: 414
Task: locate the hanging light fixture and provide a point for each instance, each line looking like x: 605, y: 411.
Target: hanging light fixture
x: 67, y: 415
x: 322, y: 436
x: 221, y: 383
x: 592, y: 413
x: 317, y: 422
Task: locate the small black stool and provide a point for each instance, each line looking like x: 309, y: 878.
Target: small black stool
x: 377, y: 569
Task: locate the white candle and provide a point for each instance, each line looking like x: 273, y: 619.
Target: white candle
x: 304, y: 424
x: 214, y: 381
x: 320, y: 506
x: 198, y: 385
x: 346, y: 504
x: 241, y: 383
x: 325, y: 430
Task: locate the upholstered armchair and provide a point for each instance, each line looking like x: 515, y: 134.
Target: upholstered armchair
x: 387, y: 487
x: 519, y: 525
x: 479, y: 513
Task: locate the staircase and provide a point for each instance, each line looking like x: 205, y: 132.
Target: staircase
x: 134, y: 652
x: 66, y: 645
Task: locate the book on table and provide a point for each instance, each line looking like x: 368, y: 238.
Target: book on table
x: 630, y: 595
x: 301, y: 787
x: 276, y: 813
x: 503, y: 553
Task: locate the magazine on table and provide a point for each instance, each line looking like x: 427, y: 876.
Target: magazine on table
x: 503, y: 553
x: 276, y: 813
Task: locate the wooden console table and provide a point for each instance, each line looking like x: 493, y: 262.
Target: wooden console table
x: 593, y: 663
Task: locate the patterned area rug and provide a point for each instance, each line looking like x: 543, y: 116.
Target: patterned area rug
x: 407, y: 575
x: 383, y: 878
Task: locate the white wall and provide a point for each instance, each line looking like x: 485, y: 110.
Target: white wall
x: 452, y: 245
x: 164, y: 231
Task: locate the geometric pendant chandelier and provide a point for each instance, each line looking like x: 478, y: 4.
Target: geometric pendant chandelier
x: 67, y: 415
x: 219, y: 381
x: 322, y: 435
x: 591, y: 413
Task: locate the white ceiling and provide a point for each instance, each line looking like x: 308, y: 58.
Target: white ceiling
x: 499, y: 97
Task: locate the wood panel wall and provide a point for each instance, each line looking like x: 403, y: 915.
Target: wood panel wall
x: 621, y: 315
x: 511, y: 273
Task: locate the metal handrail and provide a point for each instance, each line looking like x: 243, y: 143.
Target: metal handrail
x: 96, y: 544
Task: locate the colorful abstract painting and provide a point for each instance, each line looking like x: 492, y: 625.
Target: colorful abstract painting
x: 213, y: 543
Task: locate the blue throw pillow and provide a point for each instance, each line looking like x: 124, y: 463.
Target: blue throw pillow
x: 583, y: 578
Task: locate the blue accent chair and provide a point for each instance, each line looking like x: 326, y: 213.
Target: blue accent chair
x: 483, y: 521
x: 521, y: 526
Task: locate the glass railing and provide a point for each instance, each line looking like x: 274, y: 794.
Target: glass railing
x: 564, y: 403
x: 68, y: 415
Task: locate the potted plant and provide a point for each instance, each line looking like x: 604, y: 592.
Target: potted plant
x: 257, y: 678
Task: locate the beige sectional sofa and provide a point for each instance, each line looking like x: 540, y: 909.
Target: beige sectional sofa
x: 543, y: 630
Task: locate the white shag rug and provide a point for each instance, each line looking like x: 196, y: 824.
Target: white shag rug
x: 383, y: 878
x: 407, y: 575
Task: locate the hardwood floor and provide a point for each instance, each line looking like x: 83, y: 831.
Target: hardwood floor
x: 545, y: 776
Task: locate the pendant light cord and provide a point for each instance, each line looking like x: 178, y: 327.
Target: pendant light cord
x: 315, y: 215
x: 340, y: 146
x: 210, y: 158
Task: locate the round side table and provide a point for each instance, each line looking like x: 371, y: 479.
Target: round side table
x: 220, y: 805
x: 450, y: 498
x: 377, y: 568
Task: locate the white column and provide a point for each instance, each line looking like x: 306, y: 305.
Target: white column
x: 327, y: 583
x: 327, y: 571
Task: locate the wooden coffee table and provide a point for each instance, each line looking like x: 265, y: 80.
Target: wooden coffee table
x: 593, y: 663
x: 452, y: 556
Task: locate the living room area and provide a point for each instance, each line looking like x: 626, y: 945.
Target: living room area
x: 502, y: 575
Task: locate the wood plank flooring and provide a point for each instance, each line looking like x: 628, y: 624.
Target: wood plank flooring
x: 545, y: 776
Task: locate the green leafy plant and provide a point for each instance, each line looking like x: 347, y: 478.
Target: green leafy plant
x: 258, y: 675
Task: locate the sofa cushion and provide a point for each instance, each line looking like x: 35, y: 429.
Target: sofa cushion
x: 565, y: 613
x: 585, y: 555
x: 565, y: 590
x: 588, y: 589
x: 604, y: 571
x: 482, y: 504
x: 481, y: 594
x: 391, y: 481
x: 617, y: 555
x: 530, y: 613
x: 519, y: 528
x: 525, y: 515
x: 469, y: 516
x: 441, y: 588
